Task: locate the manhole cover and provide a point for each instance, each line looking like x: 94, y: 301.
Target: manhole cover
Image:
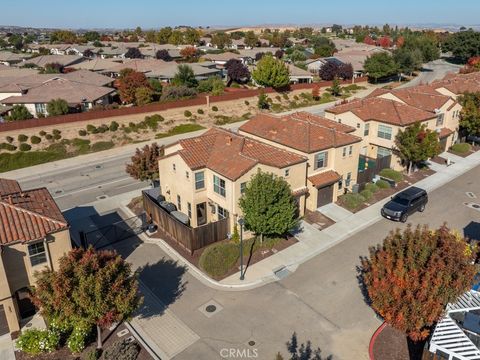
x: 251, y: 343
x: 57, y: 192
x: 471, y: 195
x: 102, y: 197
x: 476, y: 206
x: 210, y: 308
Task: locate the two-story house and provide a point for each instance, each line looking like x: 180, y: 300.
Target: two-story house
x: 34, y: 235
x: 205, y: 176
x: 377, y: 120
x: 331, y: 148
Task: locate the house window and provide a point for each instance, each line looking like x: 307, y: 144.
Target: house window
x: 187, y: 174
x: 218, y: 185
x: 174, y: 168
x: 344, y: 152
x: 366, y: 130
x: 339, y: 121
x: 199, y: 180
x: 440, y: 119
x: 348, y: 180
x: 287, y: 172
x: 350, y: 150
x: 243, y: 187
x: 384, y: 132
x: 382, y: 152
x: 340, y: 183
x: 321, y: 160
x: 37, y: 254
x: 40, y: 108
x: 179, y: 203
x: 358, y: 125
x: 189, y: 209
x: 222, y: 213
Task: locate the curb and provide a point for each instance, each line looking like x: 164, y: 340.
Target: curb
x: 373, y: 338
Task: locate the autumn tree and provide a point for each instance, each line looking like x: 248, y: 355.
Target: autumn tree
x: 268, y: 205
x: 144, y: 95
x: 96, y: 288
x: 316, y: 93
x: 133, y: 53
x: 144, y: 164
x: 470, y: 114
x: 128, y: 83
x: 189, y: 53
x: 57, y: 107
x: 416, y: 144
x: 237, y: 71
x: 163, y: 55
x: 414, y: 274
x: 271, y: 72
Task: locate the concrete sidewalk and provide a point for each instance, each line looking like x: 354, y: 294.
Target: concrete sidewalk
x: 313, y: 241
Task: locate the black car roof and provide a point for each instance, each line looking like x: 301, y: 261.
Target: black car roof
x: 411, y: 192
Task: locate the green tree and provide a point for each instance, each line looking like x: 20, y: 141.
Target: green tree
x: 414, y: 274
x: 57, y: 107
x: 250, y: 40
x: 380, y: 65
x: 92, y: 36
x: 262, y: 102
x: 297, y: 55
x: 424, y: 42
x: 143, y: 95
x: 19, y: 112
x: 335, y: 89
x: 144, y: 164
x: 268, y: 205
x: 470, y: 114
x: 90, y: 287
x: 416, y: 144
x: 191, y: 36
x: 163, y: 35
x: 464, y: 44
x: 176, y: 37
x: 408, y: 60
x: 221, y: 40
x: 185, y: 76
x: 271, y: 72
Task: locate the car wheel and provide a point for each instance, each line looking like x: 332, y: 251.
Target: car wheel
x: 404, y: 218
x: 422, y: 208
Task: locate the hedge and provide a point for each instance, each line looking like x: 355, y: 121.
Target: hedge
x: 392, y: 174
x: 461, y: 148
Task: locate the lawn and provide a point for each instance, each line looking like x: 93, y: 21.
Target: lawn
x: 180, y: 129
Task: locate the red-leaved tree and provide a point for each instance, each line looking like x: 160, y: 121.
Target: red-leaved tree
x: 414, y: 274
x: 128, y: 83
x: 92, y: 287
x: 189, y: 53
x: 144, y: 164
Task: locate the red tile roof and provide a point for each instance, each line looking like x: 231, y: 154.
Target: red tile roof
x: 232, y: 155
x: 459, y: 83
x: 444, y: 132
x: 8, y: 186
x: 301, y: 131
x: 29, y: 215
x: 325, y: 178
x: 383, y: 110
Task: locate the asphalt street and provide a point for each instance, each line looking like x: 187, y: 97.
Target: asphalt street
x: 432, y: 71
x: 321, y: 300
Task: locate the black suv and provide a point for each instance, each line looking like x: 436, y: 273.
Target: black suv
x: 405, y: 203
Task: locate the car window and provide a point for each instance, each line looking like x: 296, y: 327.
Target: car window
x: 401, y: 200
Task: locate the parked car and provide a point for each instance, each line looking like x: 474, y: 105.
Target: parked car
x: 405, y: 203
x: 473, y: 138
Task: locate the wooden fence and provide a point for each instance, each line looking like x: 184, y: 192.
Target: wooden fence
x: 366, y: 173
x: 189, y: 238
x: 199, y: 100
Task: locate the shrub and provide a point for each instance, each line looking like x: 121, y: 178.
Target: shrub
x: 200, y: 112
x: 25, y: 147
x: 187, y: 113
x: 102, y: 145
x: 296, y: 98
x: 247, y: 102
x: 78, y: 338
x: 180, y: 129
x: 22, y: 138
x: 382, y: 184
x: 35, y: 139
x: 93, y: 354
x: 367, y: 194
x: 9, y: 139
x: 152, y: 121
x: 219, y: 258
x: 49, y: 136
x: 56, y: 132
x: 285, y: 96
x: 278, y: 98
x: 122, y: 350
x: 113, y: 126
x: 7, y: 146
x: 214, y: 108
x: 91, y: 128
x: 371, y: 187
x: 177, y: 92
x: 42, y: 133
x: 102, y: 128
x: 461, y: 148
x: 82, y: 132
x: 34, y: 341
x: 352, y: 201
x: 57, y: 136
x: 392, y: 174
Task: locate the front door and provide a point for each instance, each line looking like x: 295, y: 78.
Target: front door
x: 201, y: 214
x: 443, y: 145
x: 3, y: 322
x: 325, y: 195
x: 25, y: 305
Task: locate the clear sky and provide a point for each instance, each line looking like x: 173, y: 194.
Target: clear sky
x: 153, y: 14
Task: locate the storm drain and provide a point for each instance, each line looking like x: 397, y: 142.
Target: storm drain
x: 471, y: 195
x: 251, y: 343
x: 282, y: 272
x: 101, y: 197
x: 122, y: 333
x: 473, y: 206
x: 210, y: 308
x: 98, y: 166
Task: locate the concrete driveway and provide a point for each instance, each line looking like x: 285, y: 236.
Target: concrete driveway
x: 432, y: 71
x: 321, y: 301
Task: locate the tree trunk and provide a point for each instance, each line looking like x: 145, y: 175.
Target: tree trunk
x: 410, y: 166
x: 99, y: 338
x: 261, y: 238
